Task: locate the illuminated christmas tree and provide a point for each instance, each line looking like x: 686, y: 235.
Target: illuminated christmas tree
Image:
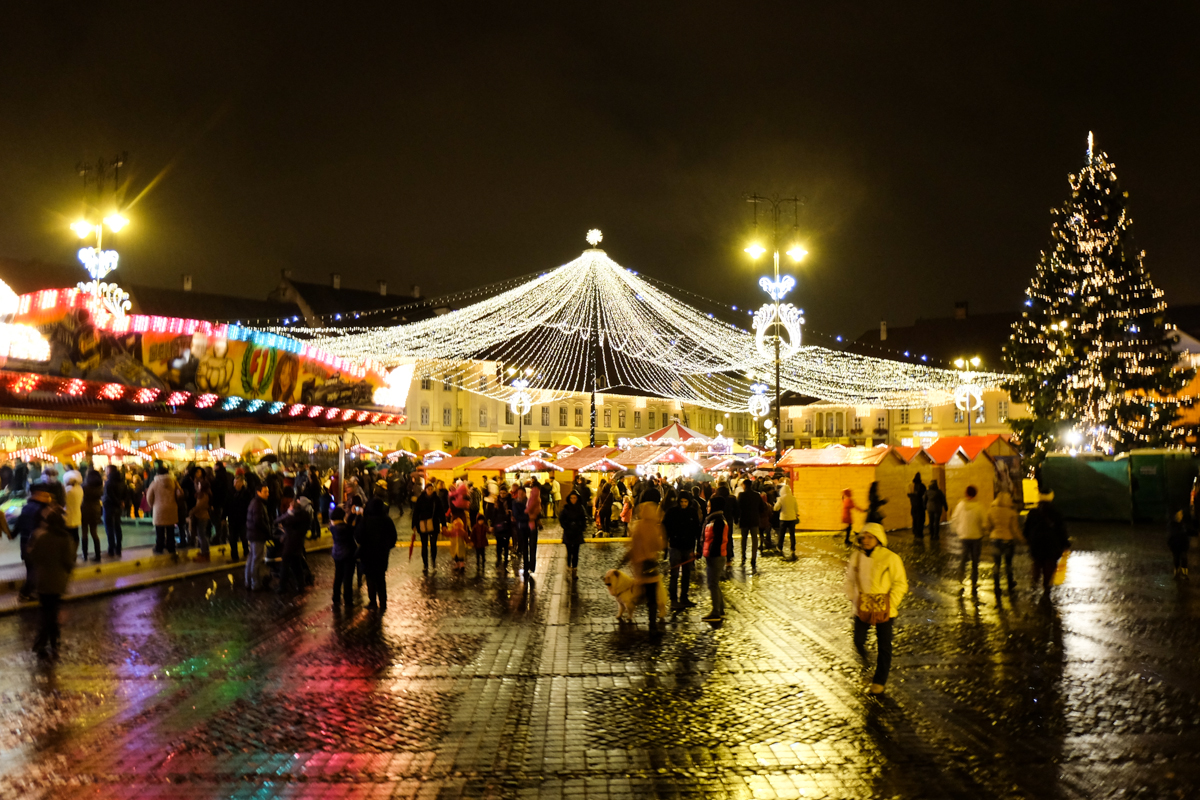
x: 1091, y: 355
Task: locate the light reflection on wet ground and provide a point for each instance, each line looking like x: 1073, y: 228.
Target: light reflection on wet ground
x: 486, y: 686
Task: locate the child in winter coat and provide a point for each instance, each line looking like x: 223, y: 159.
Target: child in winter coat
x: 626, y: 512
x: 479, y: 538
x: 458, y: 530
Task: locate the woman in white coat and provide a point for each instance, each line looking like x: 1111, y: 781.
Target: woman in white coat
x: 875, y: 584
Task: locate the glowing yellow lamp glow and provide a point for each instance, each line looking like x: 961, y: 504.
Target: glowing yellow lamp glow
x: 797, y: 253
x: 115, y: 222
x: 82, y: 228
x: 755, y: 250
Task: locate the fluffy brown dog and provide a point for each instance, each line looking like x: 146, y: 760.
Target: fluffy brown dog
x: 626, y: 591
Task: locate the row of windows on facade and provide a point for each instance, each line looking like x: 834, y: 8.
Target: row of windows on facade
x: 510, y: 417
x: 834, y: 423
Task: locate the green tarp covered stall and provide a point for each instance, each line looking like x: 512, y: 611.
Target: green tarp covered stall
x: 1089, y: 488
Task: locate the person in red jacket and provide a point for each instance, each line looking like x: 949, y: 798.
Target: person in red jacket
x: 716, y: 546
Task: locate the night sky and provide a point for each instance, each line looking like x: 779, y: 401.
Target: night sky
x: 457, y: 144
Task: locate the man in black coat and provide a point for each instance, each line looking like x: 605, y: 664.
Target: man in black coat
x: 258, y: 531
x: 749, y: 505
x: 41, y: 497
x: 1046, y: 534
x: 376, y: 536
x: 916, y: 504
x: 682, y: 524
x: 426, y: 521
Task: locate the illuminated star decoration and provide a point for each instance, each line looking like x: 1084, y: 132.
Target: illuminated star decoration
x: 777, y: 289
x: 98, y: 263
x: 594, y: 237
x: 521, y: 402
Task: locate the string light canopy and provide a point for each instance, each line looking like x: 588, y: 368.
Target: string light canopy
x: 592, y: 319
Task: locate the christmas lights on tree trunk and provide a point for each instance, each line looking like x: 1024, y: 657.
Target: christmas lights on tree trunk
x: 1091, y: 355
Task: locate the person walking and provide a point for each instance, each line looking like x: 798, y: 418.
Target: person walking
x: 935, y: 507
x: 29, y: 520
x: 749, y: 505
x: 499, y: 517
x: 573, y: 518
x: 1046, y: 533
x: 682, y: 525
x: 376, y: 536
x: 91, y: 513
x: 114, y: 499
x: 916, y: 505
x: 533, y: 510
x: 789, y: 516
x: 162, y: 497
x: 258, y: 532
x: 1004, y: 528
x: 294, y: 526
x: 426, y: 523
x: 520, y: 526
x: 646, y: 542
x: 716, y: 547
x: 479, y: 540
x: 848, y: 509
x: 967, y: 523
x: 200, y: 519
x: 237, y: 505
x: 875, y: 584
x: 52, y: 553
x: 73, y: 508
x: 1177, y: 541
x: 344, y: 554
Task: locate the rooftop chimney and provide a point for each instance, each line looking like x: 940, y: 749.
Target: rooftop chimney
x: 883, y: 330
x: 416, y: 291
x: 187, y: 283
x: 960, y: 309
x: 383, y: 287
x: 336, y: 279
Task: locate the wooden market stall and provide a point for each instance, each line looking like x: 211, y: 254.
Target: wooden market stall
x: 984, y: 462
x: 513, y: 468
x: 582, y: 460
x: 449, y: 469
x: 817, y: 478
x: 666, y: 460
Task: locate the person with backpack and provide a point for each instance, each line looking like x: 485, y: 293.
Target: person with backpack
x: 875, y: 584
x: 716, y: 547
x: 52, y: 555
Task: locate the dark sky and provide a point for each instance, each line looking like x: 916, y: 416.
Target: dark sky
x: 456, y: 144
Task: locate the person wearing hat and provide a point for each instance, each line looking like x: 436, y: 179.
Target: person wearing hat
x: 1046, y: 534
x: 875, y: 584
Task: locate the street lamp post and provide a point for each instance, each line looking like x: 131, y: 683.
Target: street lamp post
x: 521, y: 401
x: 773, y: 315
x: 967, y: 397
x: 100, y: 262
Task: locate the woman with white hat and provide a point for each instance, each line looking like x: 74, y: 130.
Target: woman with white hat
x: 875, y: 583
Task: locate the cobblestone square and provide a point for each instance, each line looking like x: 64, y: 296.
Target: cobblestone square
x: 491, y: 687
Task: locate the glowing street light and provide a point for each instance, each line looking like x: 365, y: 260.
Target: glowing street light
x: 100, y: 262
x: 756, y: 250
x: 968, y: 398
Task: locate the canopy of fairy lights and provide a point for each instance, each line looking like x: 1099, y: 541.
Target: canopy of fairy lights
x: 593, y: 320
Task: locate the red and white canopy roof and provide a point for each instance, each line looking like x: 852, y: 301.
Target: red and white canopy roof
x: 675, y: 433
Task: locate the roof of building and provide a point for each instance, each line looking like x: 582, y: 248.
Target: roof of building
x: 675, y: 433
x: 585, y: 457
x: 647, y: 454
x: 942, y: 340
x: 835, y: 456
x: 515, y: 464
x: 158, y: 301
x: 944, y: 448
x: 454, y: 462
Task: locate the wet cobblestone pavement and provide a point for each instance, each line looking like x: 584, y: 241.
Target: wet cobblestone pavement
x: 492, y: 688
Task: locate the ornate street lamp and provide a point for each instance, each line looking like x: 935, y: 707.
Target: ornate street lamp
x: 968, y: 398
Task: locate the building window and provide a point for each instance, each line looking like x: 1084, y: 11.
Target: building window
x: 483, y: 417
x: 980, y: 415
x: 508, y: 416
x: 460, y: 416
x: 637, y: 420
x: 562, y: 416
x: 608, y: 417
x: 787, y: 426
x: 927, y: 415
x: 578, y: 416
x: 904, y: 416
x: 651, y: 418
x: 808, y: 424
x: 1002, y: 411
x: 546, y: 416
x: 483, y: 383
x: 881, y: 423
x: 621, y: 418
x: 426, y: 384
x: 424, y: 415
x: 959, y: 416
x: 446, y: 384
x: 446, y: 417
x: 529, y: 417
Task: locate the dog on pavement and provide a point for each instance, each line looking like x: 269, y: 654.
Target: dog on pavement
x: 627, y: 591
